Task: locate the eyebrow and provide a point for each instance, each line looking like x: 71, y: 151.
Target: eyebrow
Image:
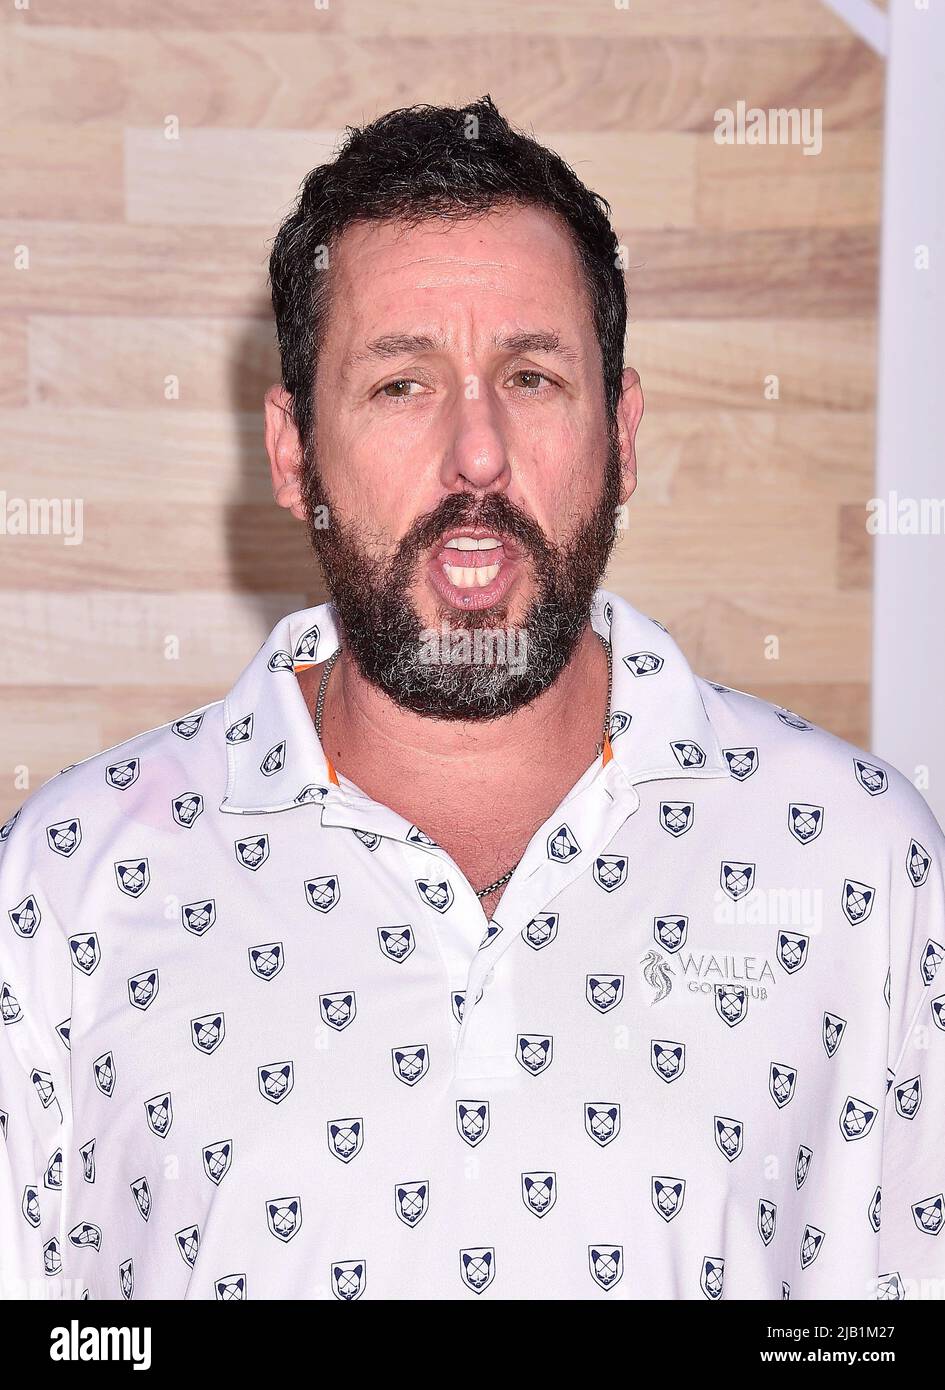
x: 392, y: 345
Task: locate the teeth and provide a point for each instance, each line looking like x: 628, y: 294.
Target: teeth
x: 471, y: 543
x: 471, y: 577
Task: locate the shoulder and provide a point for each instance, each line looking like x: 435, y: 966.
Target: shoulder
x: 130, y: 782
x: 814, y: 765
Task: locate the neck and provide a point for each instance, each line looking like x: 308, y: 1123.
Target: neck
x: 363, y: 731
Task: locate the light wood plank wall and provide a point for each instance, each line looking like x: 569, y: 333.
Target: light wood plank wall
x: 147, y: 261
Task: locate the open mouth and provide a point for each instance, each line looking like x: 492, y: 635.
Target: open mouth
x: 473, y: 567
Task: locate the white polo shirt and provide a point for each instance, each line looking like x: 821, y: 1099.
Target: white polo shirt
x: 260, y: 1041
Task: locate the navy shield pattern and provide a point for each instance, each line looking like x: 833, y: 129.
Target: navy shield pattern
x: 918, y: 862
x: 610, y: 871
x: 284, y: 1217
x: 30, y: 1206
x: 857, y: 901
x: 103, y: 1070
x: 856, y: 1118
x: 792, y: 950
x: 668, y: 1059
x: 731, y: 1003
x: 928, y: 1214
x: 606, y: 1264
x: 207, y: 1032
x: 802, y: 1165
x: 676, y: 817
x: 25, y: 917
x: 411, y: 1201
x: 346, y: 1137
x: 871, y: 778
x: 306, y: 648
x: 338, y: 1010
x: 348, y: 1279
x: 671, y: 933
x: 667, y: 1196
x: 805, y: 821
x: 477, y: 1267
x: 712, y: 1276
x: 186, y: 808
x: 159, y: 1112
x: 472, y: 1120
x: 141, y: 1192
x: 126, y: 1278
x: 132, y: 876
x: 86, y: 952
x: 411, y: 1064
x: 687, y: 753
x: 767, y: 1220
x: 890, y: 1288
x: 231, y: 1288
x: 541, y: 930
x: 729, y: 1136
x: 267, y: 959
x: 323, y: 893
x: 932, y: 955
x: 875, y: 1211
x: 86, y: 1235
x: 562, y: 845
x: 217, y: 1159
x: 253, y: 852
x: 909, y: 1097
x: 534, y: 1052
x: 742, y: 762
x: 834, y: 1028
x: 396, y: 943
x: 274, y: 761
x: 539, y: 1192
x: 143, y: 989
x: 811, y: 1242
x: 437, y: 894
x: 64, y: 837
x: 782, y: 1082
x: 643, y: 663
x: 199, y: 917
x: 737, y: 878
x: 122, y: 775
x: 241, y: 730
x: 276, y: 1080
x: 604, y: 992
x: 188, y: 1244
x: 602, y: 1121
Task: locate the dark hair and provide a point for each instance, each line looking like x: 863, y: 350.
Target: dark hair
x: 432, y: 161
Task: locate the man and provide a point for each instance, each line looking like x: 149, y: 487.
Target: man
x: 472, y: 945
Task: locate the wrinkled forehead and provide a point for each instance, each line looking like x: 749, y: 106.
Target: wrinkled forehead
x: 510, y: 266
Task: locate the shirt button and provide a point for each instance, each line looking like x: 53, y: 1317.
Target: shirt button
x: 489, y: 978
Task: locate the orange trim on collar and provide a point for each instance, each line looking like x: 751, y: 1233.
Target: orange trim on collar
x: 332, y: 775
x: 608, y: 751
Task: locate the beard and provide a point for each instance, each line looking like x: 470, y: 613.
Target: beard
x: 431, y: 671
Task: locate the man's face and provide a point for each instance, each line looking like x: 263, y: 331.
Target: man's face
x: 462, y: 447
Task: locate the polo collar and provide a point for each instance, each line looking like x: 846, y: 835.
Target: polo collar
x: 659, y: 725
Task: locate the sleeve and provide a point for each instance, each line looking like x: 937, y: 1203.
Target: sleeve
x: 912, y: 1242
x: 35, y: 1107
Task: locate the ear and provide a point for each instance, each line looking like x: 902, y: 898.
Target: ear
x: 629, y: 415
x: 284, y: 448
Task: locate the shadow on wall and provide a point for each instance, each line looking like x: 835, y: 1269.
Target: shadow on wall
x: 271, y: 564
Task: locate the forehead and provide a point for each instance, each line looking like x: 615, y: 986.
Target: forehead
x: 509, y: 264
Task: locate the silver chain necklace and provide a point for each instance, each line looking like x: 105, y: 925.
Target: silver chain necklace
x: 499, y: 882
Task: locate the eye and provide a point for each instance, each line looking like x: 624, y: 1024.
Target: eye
x: 530, y: 380
x: 398, y: 390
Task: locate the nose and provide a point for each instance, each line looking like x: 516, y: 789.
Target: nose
x: 476, y: 458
